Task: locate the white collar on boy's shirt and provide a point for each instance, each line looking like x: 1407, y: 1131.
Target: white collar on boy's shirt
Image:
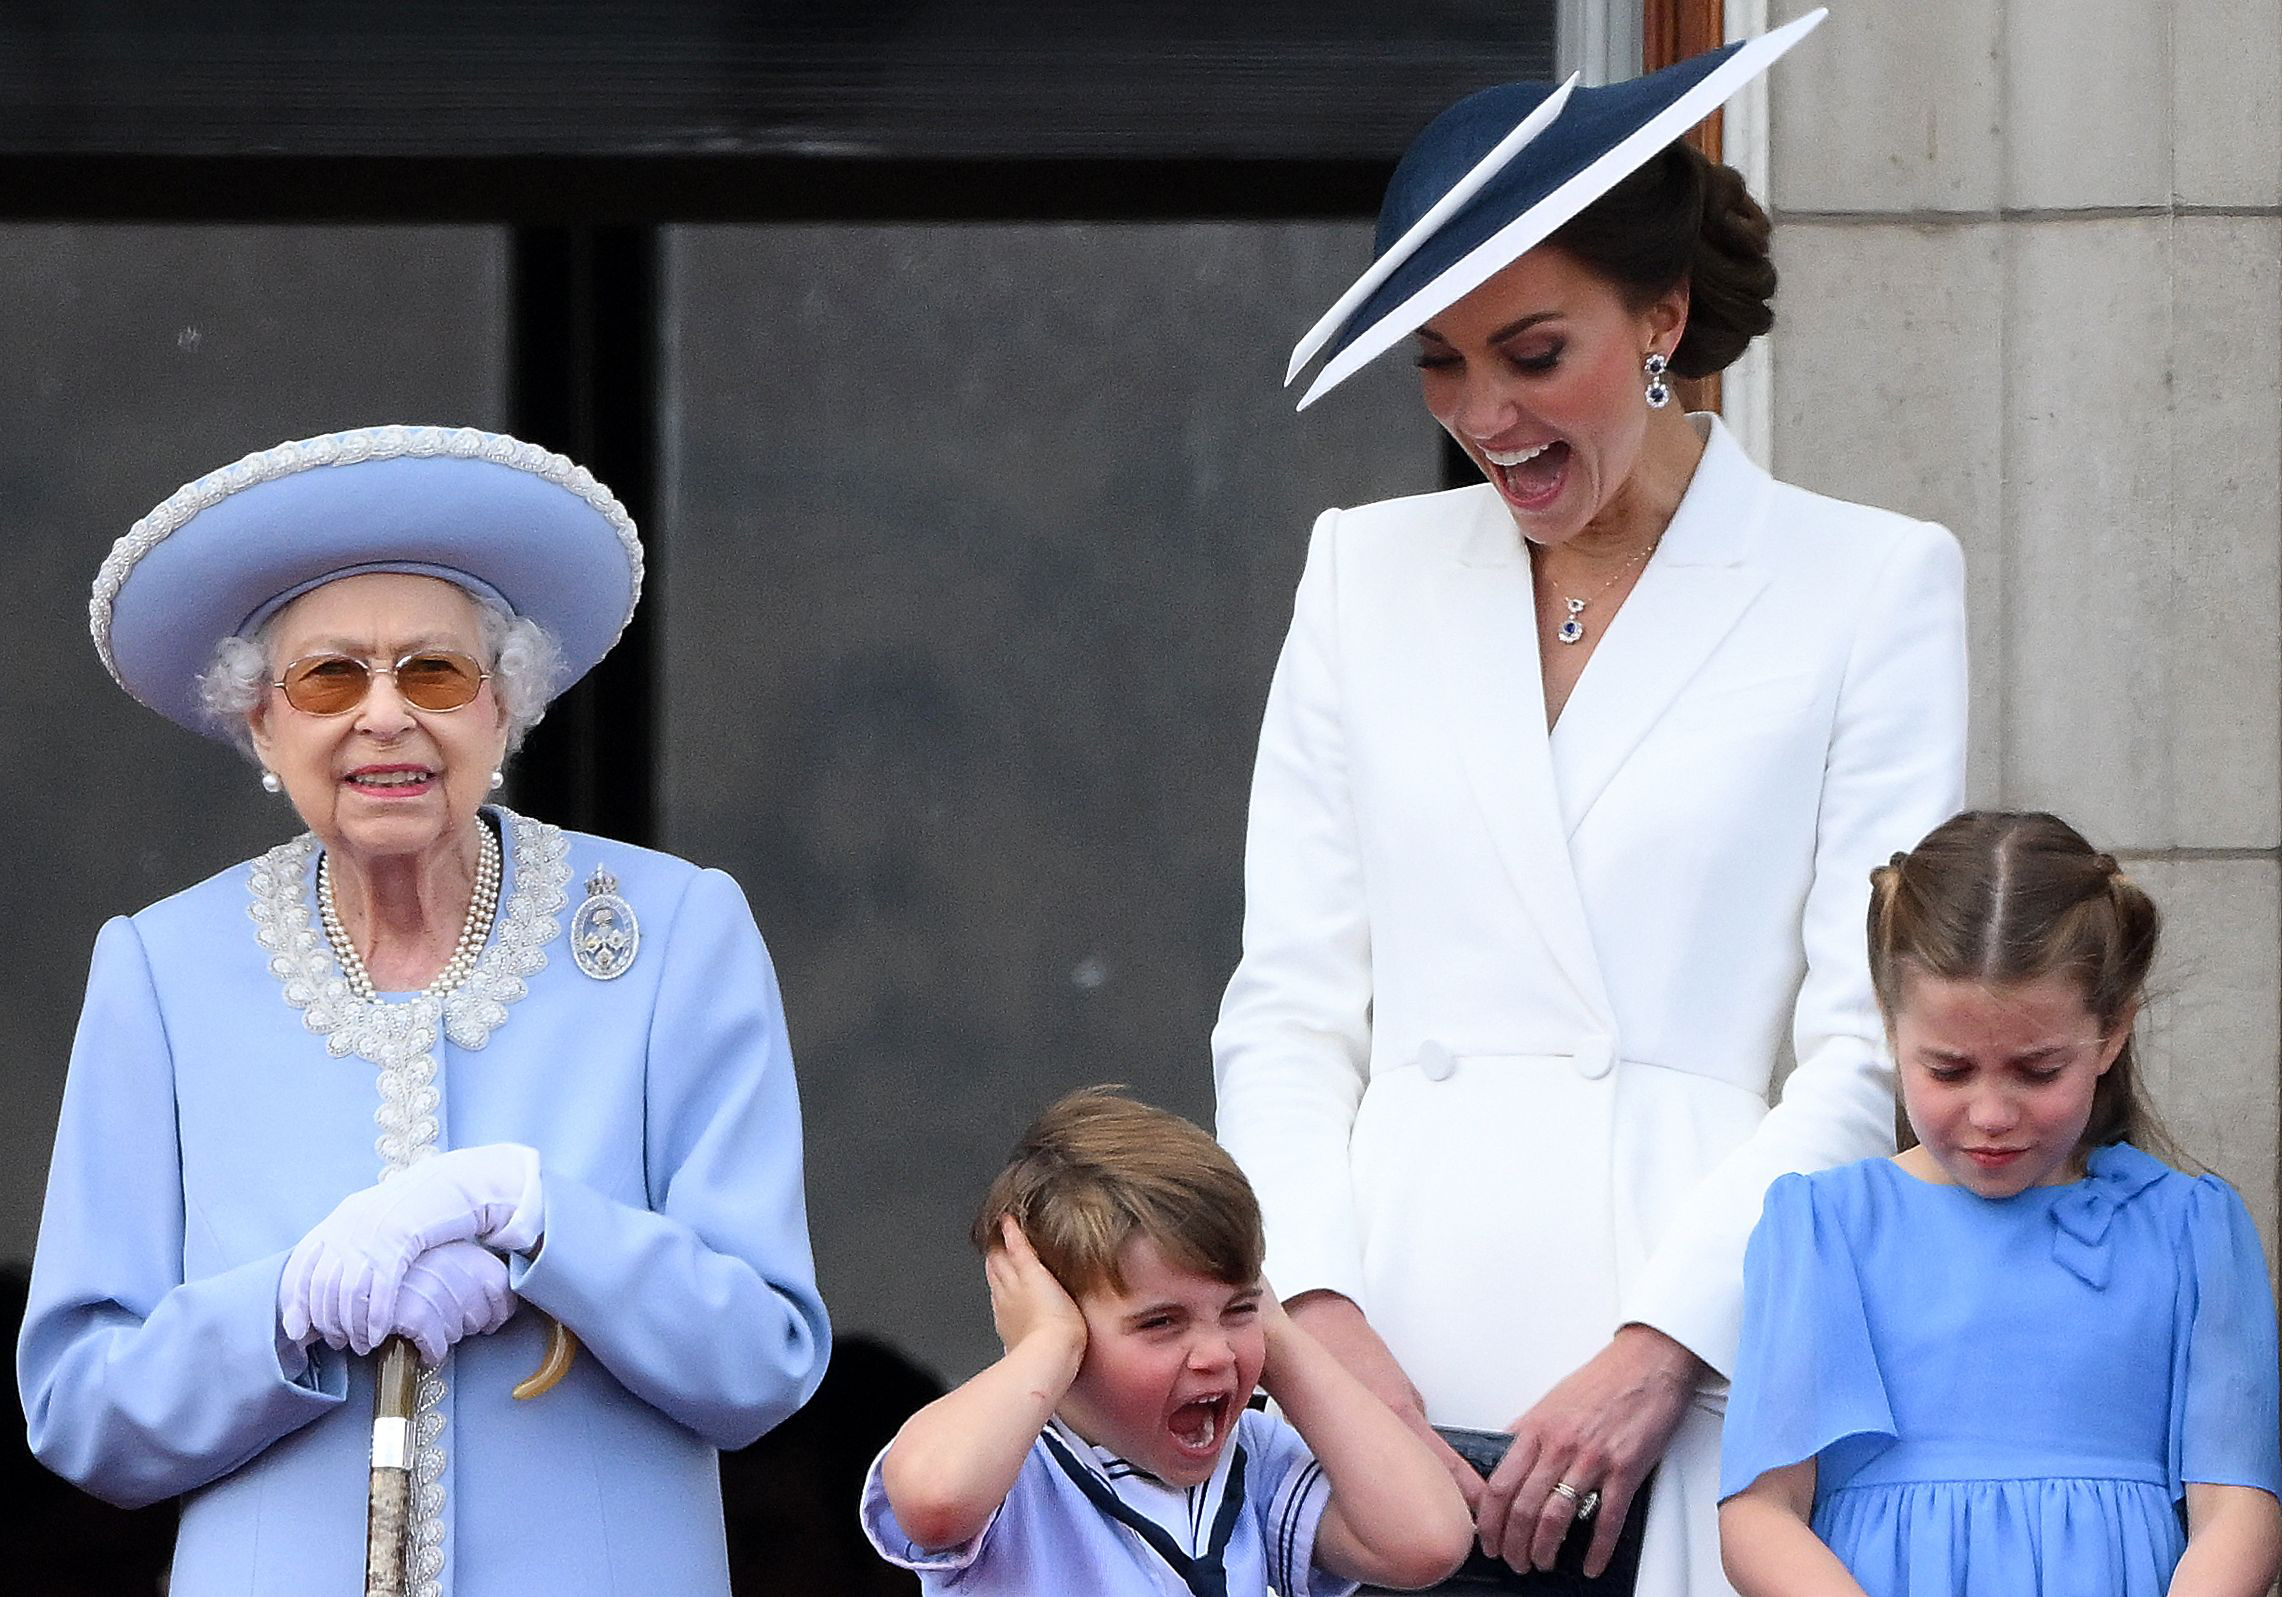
x: 1185, y: 1513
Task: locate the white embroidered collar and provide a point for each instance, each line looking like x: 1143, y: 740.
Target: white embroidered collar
x: 400, y: 1037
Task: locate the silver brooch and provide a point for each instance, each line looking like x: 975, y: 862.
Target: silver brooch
x: 604, y: 935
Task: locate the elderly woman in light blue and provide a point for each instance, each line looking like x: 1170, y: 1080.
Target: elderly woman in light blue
x: 429, y: 1070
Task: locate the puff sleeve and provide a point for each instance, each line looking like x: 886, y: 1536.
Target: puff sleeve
x: 2226, y: 1426
x: 1806, y: 1375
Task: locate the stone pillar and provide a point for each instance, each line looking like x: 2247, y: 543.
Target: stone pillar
x: 2032, y: 264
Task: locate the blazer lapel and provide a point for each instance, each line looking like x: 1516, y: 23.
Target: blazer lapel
x: 1694, y: 591
x: 1493, y: 697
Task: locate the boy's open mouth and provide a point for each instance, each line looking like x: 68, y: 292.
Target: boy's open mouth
x: 1199, y: 1424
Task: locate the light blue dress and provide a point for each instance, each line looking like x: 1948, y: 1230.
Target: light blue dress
x: 225, y: 1093
x: 2006, y: 1397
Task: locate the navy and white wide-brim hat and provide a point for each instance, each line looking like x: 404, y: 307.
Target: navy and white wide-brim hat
x: 509, y: 522
x: 1495, y: 175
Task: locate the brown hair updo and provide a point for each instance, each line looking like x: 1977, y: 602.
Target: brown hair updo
x: 2002, y: 897
x: 1679, y: 219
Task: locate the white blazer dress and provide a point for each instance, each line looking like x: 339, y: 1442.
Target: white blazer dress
x: 1499, y: 1051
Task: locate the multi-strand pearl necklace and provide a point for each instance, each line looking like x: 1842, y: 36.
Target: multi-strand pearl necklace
x: 482, y: 906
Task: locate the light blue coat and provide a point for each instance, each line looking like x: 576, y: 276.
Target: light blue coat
x: 206, y: 1126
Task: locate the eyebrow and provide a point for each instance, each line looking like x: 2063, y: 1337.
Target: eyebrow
x: 1520, y: 324
x: 2025, y: 1057
x: 394, y: 651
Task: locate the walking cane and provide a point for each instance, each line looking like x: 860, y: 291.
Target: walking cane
x: 388, y: 1516
x: 388, y: 1511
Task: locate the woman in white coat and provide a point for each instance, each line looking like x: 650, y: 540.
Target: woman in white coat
x: 1568, y: 794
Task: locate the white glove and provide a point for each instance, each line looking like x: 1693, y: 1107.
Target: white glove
x: 459, y: 1289
x: 341, y: 1280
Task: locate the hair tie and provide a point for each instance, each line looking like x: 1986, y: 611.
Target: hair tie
x: 2108, y: 866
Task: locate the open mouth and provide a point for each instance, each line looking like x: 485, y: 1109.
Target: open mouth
x: 1198, y: 1425
x: 1529, y: 478
x: 391, y: 781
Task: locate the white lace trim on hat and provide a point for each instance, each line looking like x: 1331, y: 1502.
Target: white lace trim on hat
x: 349, y: 449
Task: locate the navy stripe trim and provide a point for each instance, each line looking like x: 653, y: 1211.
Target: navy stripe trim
x: 1204, y: 1577
x: 1290, y: 1578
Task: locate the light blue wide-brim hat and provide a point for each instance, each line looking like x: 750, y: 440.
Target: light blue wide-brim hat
x: 1498, y: 174
x: 511, y: 523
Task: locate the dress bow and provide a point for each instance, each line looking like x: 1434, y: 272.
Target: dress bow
x: 2115, y: 1175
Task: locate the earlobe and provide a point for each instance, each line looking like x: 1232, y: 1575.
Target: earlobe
x: 2112, y: 1046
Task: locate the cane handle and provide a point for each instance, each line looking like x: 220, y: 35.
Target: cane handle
x: 562, y: 1347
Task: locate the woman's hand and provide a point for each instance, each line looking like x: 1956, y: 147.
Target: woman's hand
x: 1025, y: 1299
x: 455, y: 1291
x: 341, y: 1280
x: 1601, y: 1430
x: 1339, y: 1325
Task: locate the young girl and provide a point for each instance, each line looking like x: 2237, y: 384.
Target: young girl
x: 1997, y: 1362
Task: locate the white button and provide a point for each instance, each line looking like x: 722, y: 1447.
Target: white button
x: 1596, y: 1057
x: 1435, y: 1063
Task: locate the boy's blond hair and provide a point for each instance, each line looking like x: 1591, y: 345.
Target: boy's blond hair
x: 1098, y: 1169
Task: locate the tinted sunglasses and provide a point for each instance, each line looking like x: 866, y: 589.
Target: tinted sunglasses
x: 426, y: 679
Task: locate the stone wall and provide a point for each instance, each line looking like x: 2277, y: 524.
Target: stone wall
x: 2032, y: 284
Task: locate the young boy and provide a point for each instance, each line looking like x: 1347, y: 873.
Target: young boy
x: 1110, y: 1451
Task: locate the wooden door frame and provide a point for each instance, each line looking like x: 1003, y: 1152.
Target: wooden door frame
x: 1673, y: 30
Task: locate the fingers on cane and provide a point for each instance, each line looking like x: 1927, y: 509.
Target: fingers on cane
x: 499, y: 1308
x: 372, y: 1310
x: 335, y: 1302
x: 293, y: 1295
x: 322, y: 1297
x: 353, y: 1307
x: 489, y: 1301
x: 429, y: 1340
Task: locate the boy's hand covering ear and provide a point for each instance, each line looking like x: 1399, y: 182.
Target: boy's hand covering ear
x: 1277, y: 1328
x: 1025, y: 1299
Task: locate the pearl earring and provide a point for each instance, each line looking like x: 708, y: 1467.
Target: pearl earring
x: 498, y: 780
x: 270, y: 783
x: 1659, y: 391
